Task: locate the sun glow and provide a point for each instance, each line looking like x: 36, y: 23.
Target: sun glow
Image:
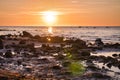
x: 50, y: 17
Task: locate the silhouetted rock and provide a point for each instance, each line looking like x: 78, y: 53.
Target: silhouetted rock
x: 27, y: 34
x: 99, y: 43
x: 114, y: 55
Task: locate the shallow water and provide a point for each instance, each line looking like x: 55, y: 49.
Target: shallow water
x: 106, y: 52
x: 113, y: 71
x: 108, y: 34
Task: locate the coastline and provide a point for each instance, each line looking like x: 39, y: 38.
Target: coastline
x: 47, y: 60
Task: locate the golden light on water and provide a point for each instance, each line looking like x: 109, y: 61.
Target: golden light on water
x: 48, y: 39
x: 50, y: 30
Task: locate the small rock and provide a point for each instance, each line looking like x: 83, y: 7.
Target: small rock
x: 8, y: 54
x: 114, y: 55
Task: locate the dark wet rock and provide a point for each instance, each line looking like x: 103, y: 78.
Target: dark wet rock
x: 1, y: 54
x: 37, y: 37
x: 60, y: 57
x: 67, y: 73
x: 1, y: 44
x: 77, y: 43
x: 84, y: 53
x: 50, y: 39
x: 93, y: 68
x: 27, y: 34
x: 116, y: 45
x: 114, y: 55
x: 110, y: 60
x: 4, y: 78
x: 22, y: 42
x: 109, y: 65
x: 99, y: 42
x: 102, y: 59
x: 2, y: 37
x: 56, y: 39
x: 89, y: 62
x: 8, y: 54
x: 28, y: 68
x: 7, y: 46
x: 119, y: 66
x: 44, y: 60
x: 19, y: 62
x: 66, y: 63
x: 97, y: 76
x: 119, y: 55
x: 92, y: 57
x: 31, y: 46
x: 56, y: 67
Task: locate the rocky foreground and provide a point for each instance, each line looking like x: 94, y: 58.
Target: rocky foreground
x: 27, y: 57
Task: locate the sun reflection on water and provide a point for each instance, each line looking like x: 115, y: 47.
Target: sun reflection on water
x: 50, y: 30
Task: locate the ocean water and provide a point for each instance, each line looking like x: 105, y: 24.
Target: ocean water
x: 107, y: 34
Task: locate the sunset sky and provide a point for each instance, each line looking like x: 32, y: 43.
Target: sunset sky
x: 71, y: 12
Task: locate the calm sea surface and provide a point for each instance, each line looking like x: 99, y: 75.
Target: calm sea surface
x: 108, y: 34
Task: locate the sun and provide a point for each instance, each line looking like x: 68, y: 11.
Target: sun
x: 50, y: 17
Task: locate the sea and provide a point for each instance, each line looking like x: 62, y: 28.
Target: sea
x: 108, y: 34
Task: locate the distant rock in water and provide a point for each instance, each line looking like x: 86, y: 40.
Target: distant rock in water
x: 1, y: 44
x: 99, y: 42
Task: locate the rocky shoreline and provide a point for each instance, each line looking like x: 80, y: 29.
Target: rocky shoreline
x: 27, y: 57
